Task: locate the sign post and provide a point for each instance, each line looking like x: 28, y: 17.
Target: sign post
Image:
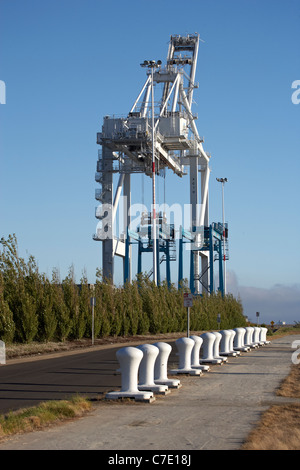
x: 93, y: 303
x: 188, y: 302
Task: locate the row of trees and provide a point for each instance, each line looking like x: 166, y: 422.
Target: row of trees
x: 36, y: 308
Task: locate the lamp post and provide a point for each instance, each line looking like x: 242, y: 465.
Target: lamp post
x: 152, y: 64
x: 223, y: 181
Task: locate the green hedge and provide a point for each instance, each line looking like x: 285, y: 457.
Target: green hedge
x: 35, y: 308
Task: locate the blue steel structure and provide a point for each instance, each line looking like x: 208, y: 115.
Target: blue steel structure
x: 213, y: 239
x: 165, y: 244
x: 214, y: 236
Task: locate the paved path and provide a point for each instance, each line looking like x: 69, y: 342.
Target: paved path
x: 214, y: 412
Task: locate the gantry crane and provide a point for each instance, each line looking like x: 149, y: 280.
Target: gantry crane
x: 170, y: 138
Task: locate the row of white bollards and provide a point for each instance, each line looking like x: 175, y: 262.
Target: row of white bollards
x: 144, y: 372
x: 144, y: 369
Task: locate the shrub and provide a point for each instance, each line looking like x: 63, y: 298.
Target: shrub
x: 59, y: 308
x: 34, y: 307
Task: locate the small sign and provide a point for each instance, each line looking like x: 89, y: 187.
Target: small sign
x: 187, y: 299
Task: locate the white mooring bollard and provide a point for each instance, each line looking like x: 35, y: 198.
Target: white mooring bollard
x: 256, y: 336
x: 249, y: 341
x: 146, y: 370
x: 225, y: 349
x: 195, y: 356
x: 263, y: 335
x: 184, y: 347
x: 208, y: 349
x: 161, y: 366
x: 231, y: 342
x: 238, y: 342
x: 216, y: 347
x: 129, y: 359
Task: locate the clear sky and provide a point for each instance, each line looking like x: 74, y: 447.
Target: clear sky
x: 68, y: 63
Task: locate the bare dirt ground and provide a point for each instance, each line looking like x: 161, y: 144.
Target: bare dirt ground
x: 16, y: 351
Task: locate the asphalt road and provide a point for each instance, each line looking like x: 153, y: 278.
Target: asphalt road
x: 213, y: 412
x: 27, y: 382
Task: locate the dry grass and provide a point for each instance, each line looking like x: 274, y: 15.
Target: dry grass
x: 290, y: 387
x: 279, y: 427
x: 16, y: 351
x: 41, y: 416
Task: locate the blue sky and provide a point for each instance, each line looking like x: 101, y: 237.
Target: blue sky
x: 68, y: 63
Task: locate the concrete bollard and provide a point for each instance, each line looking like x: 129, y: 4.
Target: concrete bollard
x: 238, y: 342
x: 231, y: 341
x: 249, y: 341
x: 216, y: 346
x: 225, y: 344
x: 195, y: 355
x: 129, y: 359
x: 161, y: 366
x: 208, y: 348
x: 263, y: 335
x: 146, y: 370
x: 185, y: 347
x: 256, y: 336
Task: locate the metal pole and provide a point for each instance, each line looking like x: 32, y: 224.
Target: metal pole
x: 93, y: 311
x: 93, y: 321
x: 153, y: 187
x: 224, y: 253
x: 188, y: 322
x: 223, y: 181
x: 153, y: 64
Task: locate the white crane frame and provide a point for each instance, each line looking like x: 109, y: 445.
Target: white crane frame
x: 126, y: 149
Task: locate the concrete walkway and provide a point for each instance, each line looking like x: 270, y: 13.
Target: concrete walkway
x: 213, y: 412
